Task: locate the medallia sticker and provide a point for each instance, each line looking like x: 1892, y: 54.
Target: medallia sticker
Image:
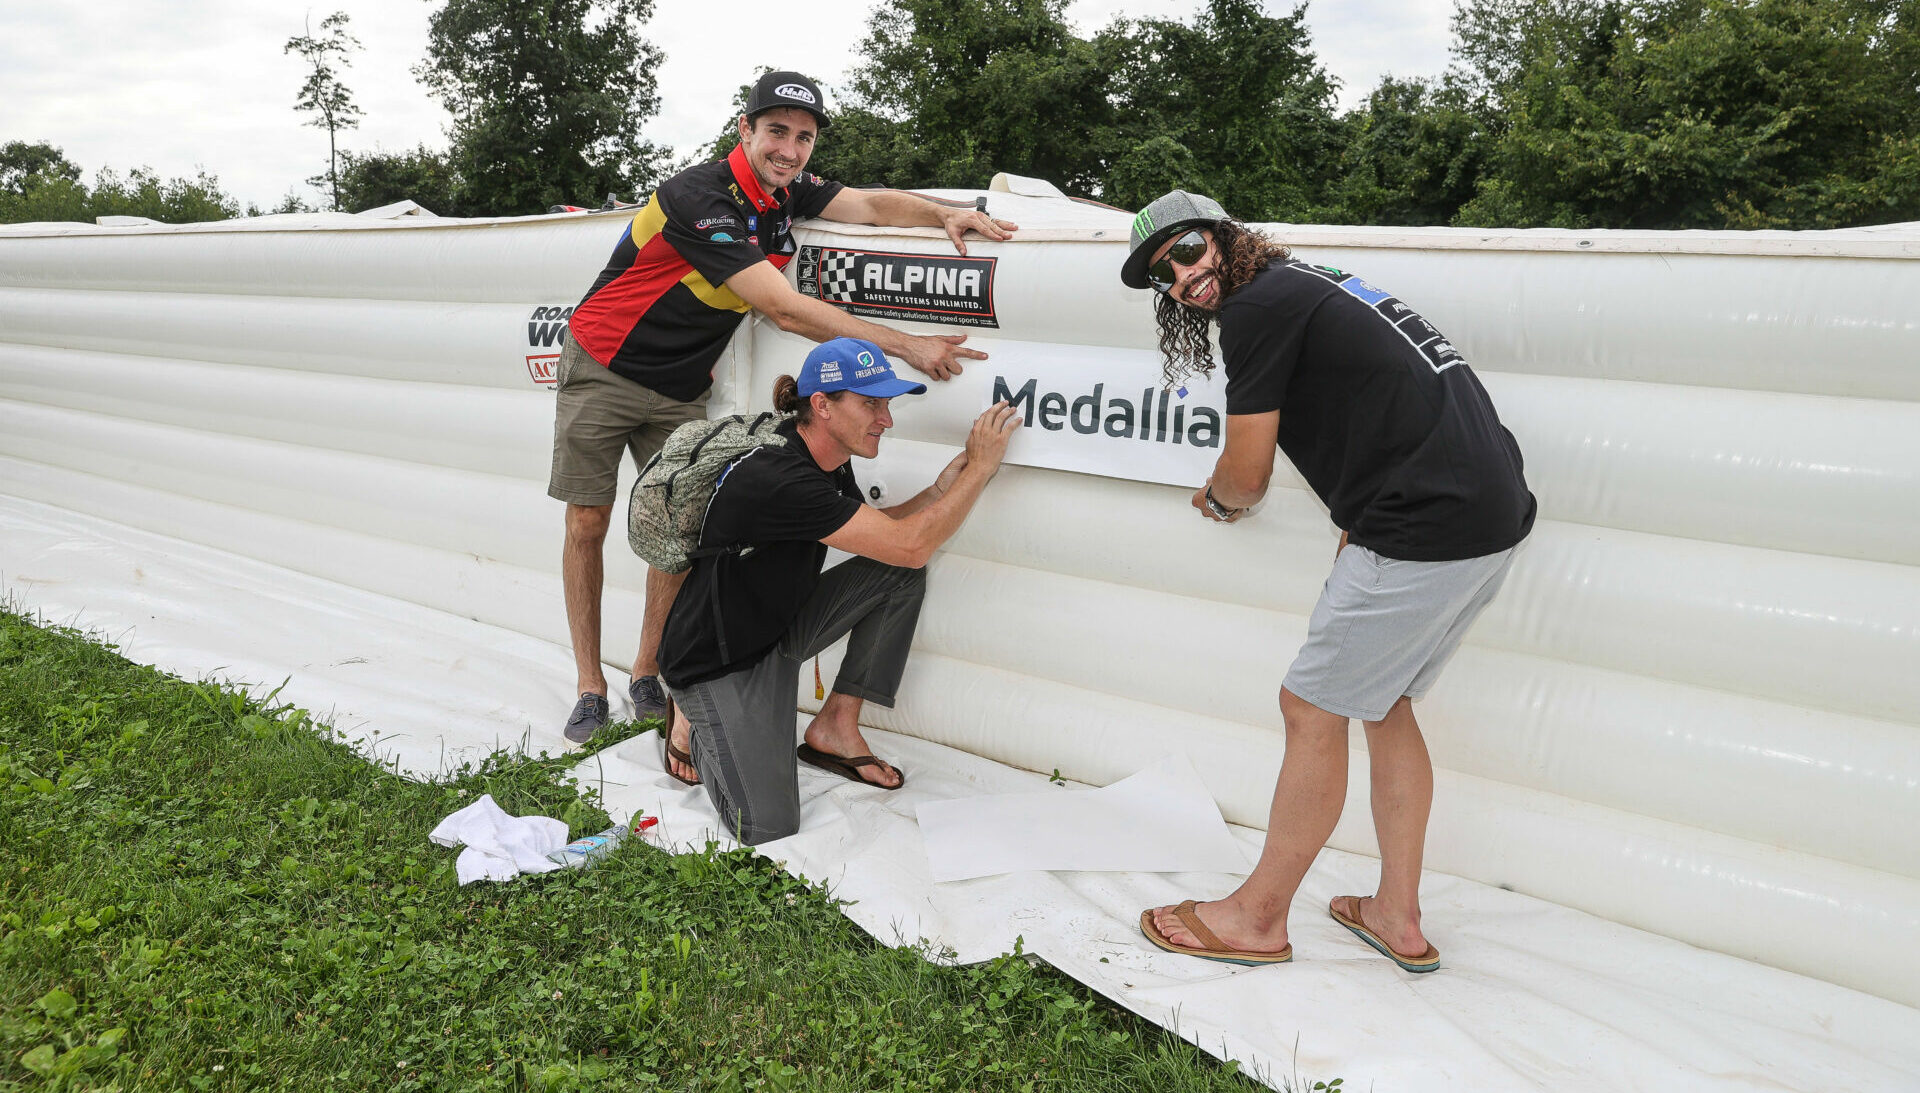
x: 927, y: 288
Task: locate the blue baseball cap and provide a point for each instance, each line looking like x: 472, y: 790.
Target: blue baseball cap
x: 853, y: 364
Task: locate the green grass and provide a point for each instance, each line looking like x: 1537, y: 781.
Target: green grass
x: 199, y: 891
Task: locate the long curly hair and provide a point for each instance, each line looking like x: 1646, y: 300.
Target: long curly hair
x: 1184, y: 330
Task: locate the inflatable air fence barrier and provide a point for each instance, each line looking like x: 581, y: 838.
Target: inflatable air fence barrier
x: 1695, y: 709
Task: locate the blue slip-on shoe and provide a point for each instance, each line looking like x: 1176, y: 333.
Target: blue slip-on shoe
x: 589, y: 716
x: 649, y: 698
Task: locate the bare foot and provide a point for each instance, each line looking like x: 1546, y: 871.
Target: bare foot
x: 1400, y: 931
x: 841, y: 738
x: 681, y: 737
x: 1234, y: 928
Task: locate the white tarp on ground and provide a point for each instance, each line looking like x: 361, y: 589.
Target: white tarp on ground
x: 1160, y: 820
x: 1532, y: 997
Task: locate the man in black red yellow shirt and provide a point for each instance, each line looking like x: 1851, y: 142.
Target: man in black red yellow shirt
x: 638, y: 358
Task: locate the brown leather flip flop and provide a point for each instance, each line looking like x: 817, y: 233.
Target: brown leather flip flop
x: 1214, y: 949
x: 1424, y: 962
x: 673, y: 753
x: 847, y: 767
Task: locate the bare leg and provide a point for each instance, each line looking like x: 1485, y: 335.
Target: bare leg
x: 582, y: 574
x: 1402, y: 775
x: 836, y: 731
x: 662, y: 589
x: 1306, y: 805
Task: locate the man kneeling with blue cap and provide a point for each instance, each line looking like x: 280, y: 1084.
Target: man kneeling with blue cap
x: 756, y: 607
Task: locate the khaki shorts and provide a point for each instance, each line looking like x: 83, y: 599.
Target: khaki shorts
x: 596, y: 415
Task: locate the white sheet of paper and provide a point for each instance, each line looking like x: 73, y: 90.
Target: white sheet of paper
x: 1161, y: 820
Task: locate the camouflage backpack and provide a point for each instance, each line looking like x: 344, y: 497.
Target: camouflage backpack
x: 668, y: 506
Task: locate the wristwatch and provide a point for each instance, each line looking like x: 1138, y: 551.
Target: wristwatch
x: 1218, y: 509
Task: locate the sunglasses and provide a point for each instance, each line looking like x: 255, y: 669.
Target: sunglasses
x: 1186, y: 250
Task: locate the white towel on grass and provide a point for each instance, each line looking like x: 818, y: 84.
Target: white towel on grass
x: 499, y: 846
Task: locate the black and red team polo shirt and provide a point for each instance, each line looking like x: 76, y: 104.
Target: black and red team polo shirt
x: 660, y: 313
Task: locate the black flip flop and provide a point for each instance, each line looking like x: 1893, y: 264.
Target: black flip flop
x: 666, y: 741
x: 847, y: 767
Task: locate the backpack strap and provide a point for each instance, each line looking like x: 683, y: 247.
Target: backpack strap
x: 694, y: 454
x: 720, y: 480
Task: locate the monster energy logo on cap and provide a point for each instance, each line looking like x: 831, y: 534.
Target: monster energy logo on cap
x: 1158, y: 221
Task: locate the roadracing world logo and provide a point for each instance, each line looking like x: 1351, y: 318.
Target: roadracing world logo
x: 545, y: 327
x: 927, y: 288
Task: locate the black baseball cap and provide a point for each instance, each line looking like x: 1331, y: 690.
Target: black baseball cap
x: 777, y: 89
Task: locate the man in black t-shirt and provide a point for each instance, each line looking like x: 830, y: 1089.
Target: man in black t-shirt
x: 758, y: 606
x: 637, y: 360
x: 1393, y: 432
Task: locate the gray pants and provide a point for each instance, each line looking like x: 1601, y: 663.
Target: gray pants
x: 743, y: 722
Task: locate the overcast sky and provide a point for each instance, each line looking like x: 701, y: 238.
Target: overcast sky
x: 205, y: 84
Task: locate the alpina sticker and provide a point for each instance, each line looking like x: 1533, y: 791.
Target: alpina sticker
x: 927, y: 288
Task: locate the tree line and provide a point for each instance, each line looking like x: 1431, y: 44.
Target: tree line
x: 1564, y: 113
x: 38, y: 182
x: 1560, y: 113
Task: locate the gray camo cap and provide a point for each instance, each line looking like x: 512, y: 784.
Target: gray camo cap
x: 1166, y: 217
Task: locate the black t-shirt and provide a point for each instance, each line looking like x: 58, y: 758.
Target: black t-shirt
x: 736, y: 606
x: 660, y: 313
x: 1379, y: 412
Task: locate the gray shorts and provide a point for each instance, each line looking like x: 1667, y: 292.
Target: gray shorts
x: 1385, y: 628
x: 598, y: 415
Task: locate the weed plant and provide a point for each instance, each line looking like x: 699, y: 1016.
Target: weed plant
x: 203, y: 891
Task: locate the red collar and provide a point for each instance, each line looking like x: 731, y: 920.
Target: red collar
x: 749, y: 182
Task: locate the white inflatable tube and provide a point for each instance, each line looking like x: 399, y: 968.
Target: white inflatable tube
x: 1668, y: 311
x: 1807, y: 325
x: 484, y: 429
x: 1835, y: 476
x: 463, y: 511
x: 432, y: 341
x: 453, y: 261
